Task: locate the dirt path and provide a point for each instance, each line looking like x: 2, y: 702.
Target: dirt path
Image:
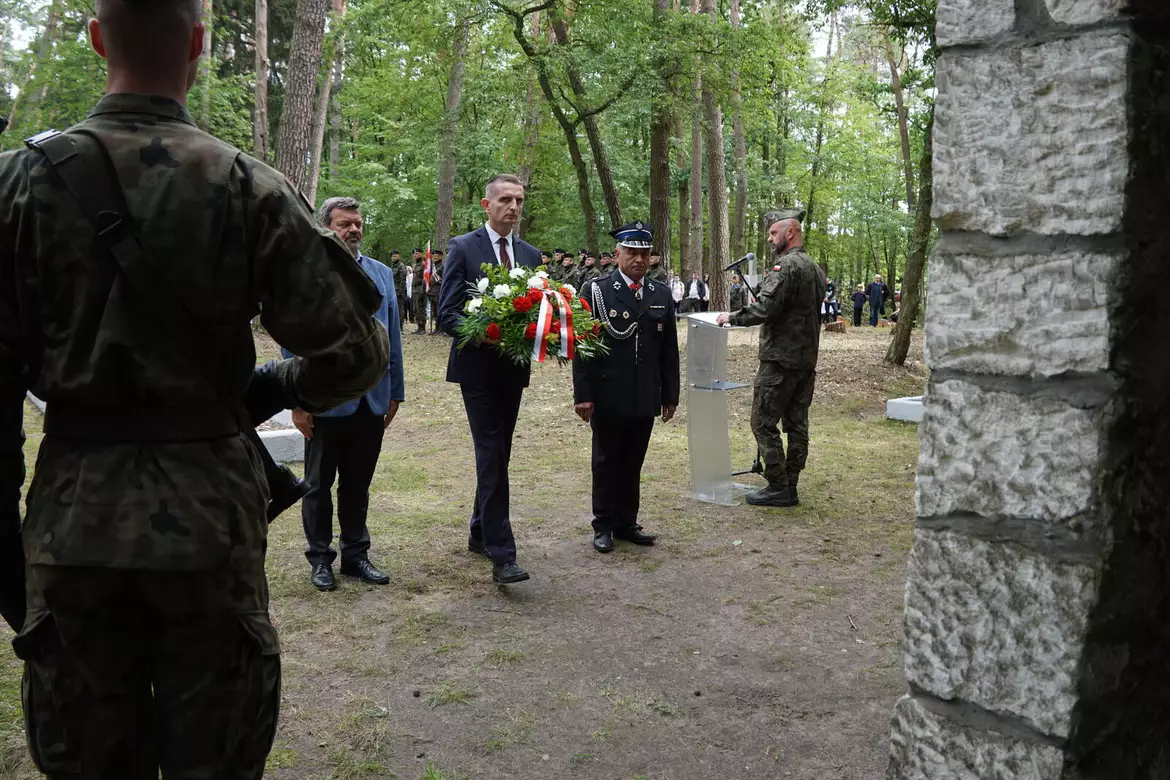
x: 748, y: 644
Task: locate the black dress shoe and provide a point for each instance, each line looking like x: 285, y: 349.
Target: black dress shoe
x: 322, y: 578
x: 283, y: 495
x: 603, y: 541
x: 508, y: 573
x: 476, y: 546
x: 635, y: 536
x: 364, y: 571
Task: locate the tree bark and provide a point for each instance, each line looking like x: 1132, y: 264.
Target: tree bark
x: 446, y: 206
x: 592, y: 131
x: 205, y: 65
x: 588, y: 213
x: 810, y: 207
x: 716, y: 187
x: 739, y: 142
x: 532, y: 117
x: 335, y: 124
x: 916, y: 262
x: 903, y: 124
x: 260, y: 118
x: 684, y: 207
x: 296, y: 116
x: 661, y: 123
x: 329, y: 85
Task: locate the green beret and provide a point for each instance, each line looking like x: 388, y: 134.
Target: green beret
x: 779, y: 215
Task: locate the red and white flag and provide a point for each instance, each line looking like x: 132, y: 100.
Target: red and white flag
x: 427, y: 269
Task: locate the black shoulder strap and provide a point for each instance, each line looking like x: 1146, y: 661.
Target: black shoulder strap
x: 92, y: 181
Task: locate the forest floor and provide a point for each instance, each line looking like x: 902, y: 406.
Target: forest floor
x: 749, y: 643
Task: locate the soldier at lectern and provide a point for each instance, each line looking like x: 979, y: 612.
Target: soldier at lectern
x: 619, y: 394
x: 788, y: 311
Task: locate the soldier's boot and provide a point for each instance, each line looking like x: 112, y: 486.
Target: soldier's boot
x: 793, y: 478
x: 773, y: 494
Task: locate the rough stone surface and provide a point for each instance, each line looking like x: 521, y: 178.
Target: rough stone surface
x: 1028, y: 315
x: 1033, y: 138
x: 996, y: 626
x: 997, y: 454
x: 972, y: 21
x: 925, y: 746
x: 285, y: 446
x: 1084, y: 11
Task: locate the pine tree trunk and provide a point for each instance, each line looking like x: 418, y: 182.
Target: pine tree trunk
x: 329, y: 83
x: 695, y: 242
x: 684, y: 207
x: 811, y: 203
x: 260, y: 118
x: 532, y: 117
x: 592, y: 131
x: 660, y: 126
x: 903, y: 124
x: 446, y: 205
x: 296, y: 116
x: 916, y: 262
x: 739, y: 231
x: 205, y: 65
x: 716, y: 189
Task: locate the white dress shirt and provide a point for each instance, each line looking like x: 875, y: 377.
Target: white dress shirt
x: 495, y: 237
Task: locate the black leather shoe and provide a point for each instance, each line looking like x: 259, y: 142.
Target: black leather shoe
x: 635, y: 536
x: 775, y: 494
x: 603, y: 541
x: 322, y: 578
x: 364, y: 571
x: 508, y: 573
x: 793, y: 478
x: 286, y: 493
x: 476, y: 546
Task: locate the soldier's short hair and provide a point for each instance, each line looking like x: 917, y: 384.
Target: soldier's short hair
x: 500, y: 178
x: 147, y: 33
x: 344, y: 203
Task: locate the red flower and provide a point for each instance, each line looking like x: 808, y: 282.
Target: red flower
x: 492, y: 331
x: 522, y: 304
x: 535, y: 295
x: 585, y: 305
x: 596, y: 328
x: 565, y: 291
x: 567, y: 297
x: 530, y: 331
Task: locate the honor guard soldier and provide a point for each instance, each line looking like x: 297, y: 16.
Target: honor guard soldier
x: 589, y: 270
x: 418, y: 292
x: 620, y: 393
x: 656, y: 272
x: 788, y: 309
x: 436, y: 287
x: 399, y: 269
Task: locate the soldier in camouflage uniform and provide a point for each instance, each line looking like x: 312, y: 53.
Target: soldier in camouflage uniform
x: 788, y: 311
x: 436, y: 288
x: 418, y: 293
x: 656, y: 273
x: 570, y: 274
x: 147, y: 642
x: 399, y: 270
x: 589, y: 271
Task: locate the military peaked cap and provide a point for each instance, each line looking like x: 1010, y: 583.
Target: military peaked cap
x: 635, y: 235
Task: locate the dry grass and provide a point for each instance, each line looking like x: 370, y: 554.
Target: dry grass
x: 699, y: 657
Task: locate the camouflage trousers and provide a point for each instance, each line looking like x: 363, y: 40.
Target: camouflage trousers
x: 420, y: 311
x: 129, y: 672
x: 782, y: 396
x: 434, y: 299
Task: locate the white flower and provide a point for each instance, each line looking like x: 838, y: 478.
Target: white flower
x: 517, y: 273
x: 482, y: 285
x: 473, y: 305
x: 572, y: 290
x: 501, y: 291
x: 536, y: 283
x: 542, y: 274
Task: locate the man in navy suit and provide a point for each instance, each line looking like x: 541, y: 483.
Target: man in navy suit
x: 492, y: 385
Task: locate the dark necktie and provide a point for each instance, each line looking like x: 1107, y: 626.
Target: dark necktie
x: 505, y: 260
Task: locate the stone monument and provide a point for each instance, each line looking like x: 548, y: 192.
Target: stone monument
x: 1037, y: 628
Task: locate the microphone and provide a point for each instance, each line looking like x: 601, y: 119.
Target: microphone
x: 745, y: 259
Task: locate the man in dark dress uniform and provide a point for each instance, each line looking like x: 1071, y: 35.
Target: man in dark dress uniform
x: 619, y: 394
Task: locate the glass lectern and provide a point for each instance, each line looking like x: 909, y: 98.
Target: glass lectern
x: 707, y: 387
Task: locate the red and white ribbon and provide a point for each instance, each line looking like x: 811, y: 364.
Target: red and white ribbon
x: 544, y: 326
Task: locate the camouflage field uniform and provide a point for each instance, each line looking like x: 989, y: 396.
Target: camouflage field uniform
x: 657, y: 273
x: 399, y: 269
x: 588, y: 274
x: 148, y: 642
x: 418, y: 297
x: 433, y: 293
x: 788, y: 308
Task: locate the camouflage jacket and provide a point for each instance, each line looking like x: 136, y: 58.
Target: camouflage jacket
x: 399, y: 270
x: 789, y: 310
x: 230, y: 238
x: 657, y: 273
x: 418, y: 289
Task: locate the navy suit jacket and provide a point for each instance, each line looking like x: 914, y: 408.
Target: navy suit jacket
x: 476, y: 364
